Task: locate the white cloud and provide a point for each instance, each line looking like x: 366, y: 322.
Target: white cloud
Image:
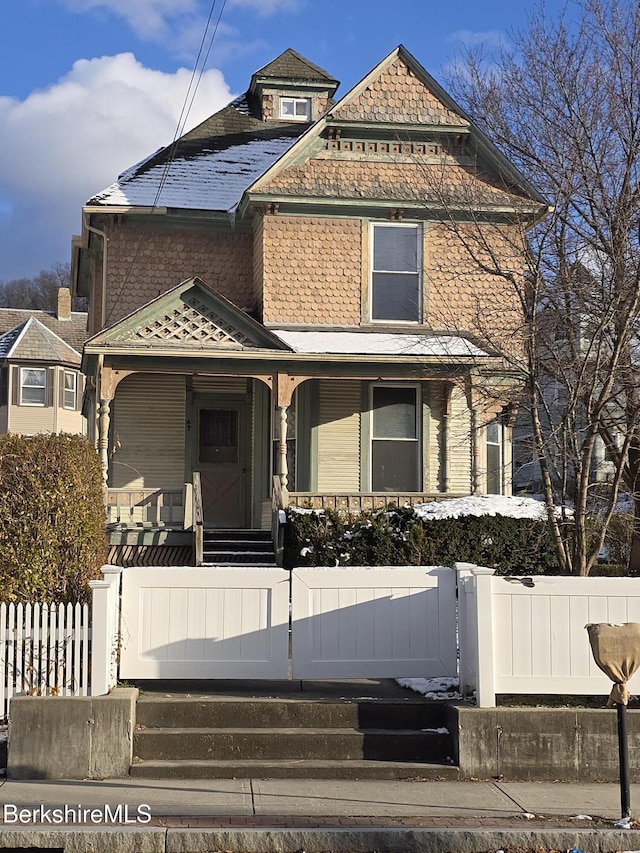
x: 268, y: 7
x: 148, y: 18
x: 61, y: 145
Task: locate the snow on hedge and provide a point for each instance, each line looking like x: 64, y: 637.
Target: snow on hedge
x: 514, y: 507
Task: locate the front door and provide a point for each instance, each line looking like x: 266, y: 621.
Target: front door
x: 221, y: 462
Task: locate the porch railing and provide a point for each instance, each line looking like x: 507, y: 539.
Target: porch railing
x: 358, y: 501
x: 155, y: 507
x: 198, y: 519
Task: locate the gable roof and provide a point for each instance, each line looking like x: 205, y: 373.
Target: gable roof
x: 235, y: 153
x: 32, y: 341
x: 439, y: 110
x: 73, y: 330
x: 192, y: 316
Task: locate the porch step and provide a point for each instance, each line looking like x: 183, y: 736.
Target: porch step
x: 238, y: 547
x: 207, y: 737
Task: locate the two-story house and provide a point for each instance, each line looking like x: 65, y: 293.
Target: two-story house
x: 278, y: 306
x: 41, y: 384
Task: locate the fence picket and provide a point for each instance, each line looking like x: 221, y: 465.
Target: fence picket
x: 44, y: 649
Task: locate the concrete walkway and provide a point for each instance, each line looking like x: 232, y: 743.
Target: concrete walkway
x: 284, y: 816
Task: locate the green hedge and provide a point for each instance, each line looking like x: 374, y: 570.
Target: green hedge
x: 52, y: 520
x: 397, y: 537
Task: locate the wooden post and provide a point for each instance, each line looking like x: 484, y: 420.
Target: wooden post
x: 103, y: 436
x: 283, y: 468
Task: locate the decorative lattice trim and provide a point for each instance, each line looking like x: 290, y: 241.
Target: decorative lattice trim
x: 193, y: 322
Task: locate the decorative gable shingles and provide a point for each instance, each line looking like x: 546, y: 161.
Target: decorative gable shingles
x: 398, y: 96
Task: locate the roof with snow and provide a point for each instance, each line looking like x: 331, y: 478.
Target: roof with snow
x: 32, y: 341
x: 378, y: 343
x: 211, y: 166
x: 72, y: 330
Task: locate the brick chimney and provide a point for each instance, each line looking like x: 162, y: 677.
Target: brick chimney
x: 64, y: 303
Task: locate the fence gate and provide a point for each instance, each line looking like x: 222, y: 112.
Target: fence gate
x: 204, y: 623
x: 374, y: 623
x: 234, y: 623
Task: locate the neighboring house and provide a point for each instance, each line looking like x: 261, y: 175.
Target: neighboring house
x: 278, y: 294
x: 41, y: 384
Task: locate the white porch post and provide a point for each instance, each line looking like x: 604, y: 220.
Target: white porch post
x: 105, y: 630
x: 475, y: 452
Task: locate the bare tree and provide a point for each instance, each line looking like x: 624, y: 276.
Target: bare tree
x: 39, y: 292
x: 563, y: 104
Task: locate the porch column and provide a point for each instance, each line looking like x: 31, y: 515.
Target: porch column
x: 103, y: 435
x: 283, y: 468
x: 445, y: 439
x: 475, y: 452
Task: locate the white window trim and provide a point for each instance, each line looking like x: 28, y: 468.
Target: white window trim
x: 294, y: 100
x: 418, y: 424
x: 75, y: 390
x: 23, y: 402
x: 420, y: 238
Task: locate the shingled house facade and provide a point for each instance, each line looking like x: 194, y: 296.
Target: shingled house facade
x: 276, y: 304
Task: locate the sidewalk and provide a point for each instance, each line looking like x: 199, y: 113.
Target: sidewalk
x: 261, y: 815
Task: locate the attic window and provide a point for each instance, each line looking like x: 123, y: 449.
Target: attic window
x: 295, y: 109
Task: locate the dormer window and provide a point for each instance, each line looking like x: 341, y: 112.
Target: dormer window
x: 295, y: 109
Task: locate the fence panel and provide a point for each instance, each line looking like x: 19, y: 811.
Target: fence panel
x: 374, y: 622
x: 204, y: 623
x: 43, y: 650
x: 539, y: 637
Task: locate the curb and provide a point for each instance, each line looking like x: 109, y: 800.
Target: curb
x: 346, y: 840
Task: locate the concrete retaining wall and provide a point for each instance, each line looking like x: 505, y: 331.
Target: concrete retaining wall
x: 541, y: 744
x: 72, y: 737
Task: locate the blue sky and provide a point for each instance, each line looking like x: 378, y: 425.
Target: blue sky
x: 89, y: 87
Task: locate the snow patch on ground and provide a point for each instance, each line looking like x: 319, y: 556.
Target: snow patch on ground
x: 433, y: 688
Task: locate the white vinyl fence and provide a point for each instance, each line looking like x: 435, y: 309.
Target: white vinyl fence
x: 527, y: 634
x: 44, y: 650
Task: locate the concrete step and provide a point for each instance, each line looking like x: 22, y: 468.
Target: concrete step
x: 244, y: 558
x: 213, y: 534
x: 202, y: 712
x: 284, y: 769
x: 172, y: 744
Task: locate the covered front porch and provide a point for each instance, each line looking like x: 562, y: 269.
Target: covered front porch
x: 224, y: 423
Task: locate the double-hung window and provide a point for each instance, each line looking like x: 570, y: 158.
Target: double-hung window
x: 33, y: 386
x: 295, y: 109
x: 494, y: 458
x: 69, y: 392
x: 395, y: 275
x: 395, y: 439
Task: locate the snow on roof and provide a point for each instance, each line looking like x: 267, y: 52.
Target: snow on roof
x: 378, y: 343
x: 208, y: 180
x: 514, y: 507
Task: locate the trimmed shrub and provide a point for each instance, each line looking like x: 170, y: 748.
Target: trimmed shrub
x: 398, y: 537
x: 52, y: 521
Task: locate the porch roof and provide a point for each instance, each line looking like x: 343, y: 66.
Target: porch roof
x: 379, y: 343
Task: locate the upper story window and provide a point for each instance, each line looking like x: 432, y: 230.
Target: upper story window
x: 295, y: 109
x: 33, y: 386
x: 70, y: 389
x: 395, y: 275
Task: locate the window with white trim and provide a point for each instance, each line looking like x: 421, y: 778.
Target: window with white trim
x: 295, y: 109
x: 395, y: 272
x: 70, y: 391
x: 395, y: 439
x: 494, y: 457
x: 33, y: 386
